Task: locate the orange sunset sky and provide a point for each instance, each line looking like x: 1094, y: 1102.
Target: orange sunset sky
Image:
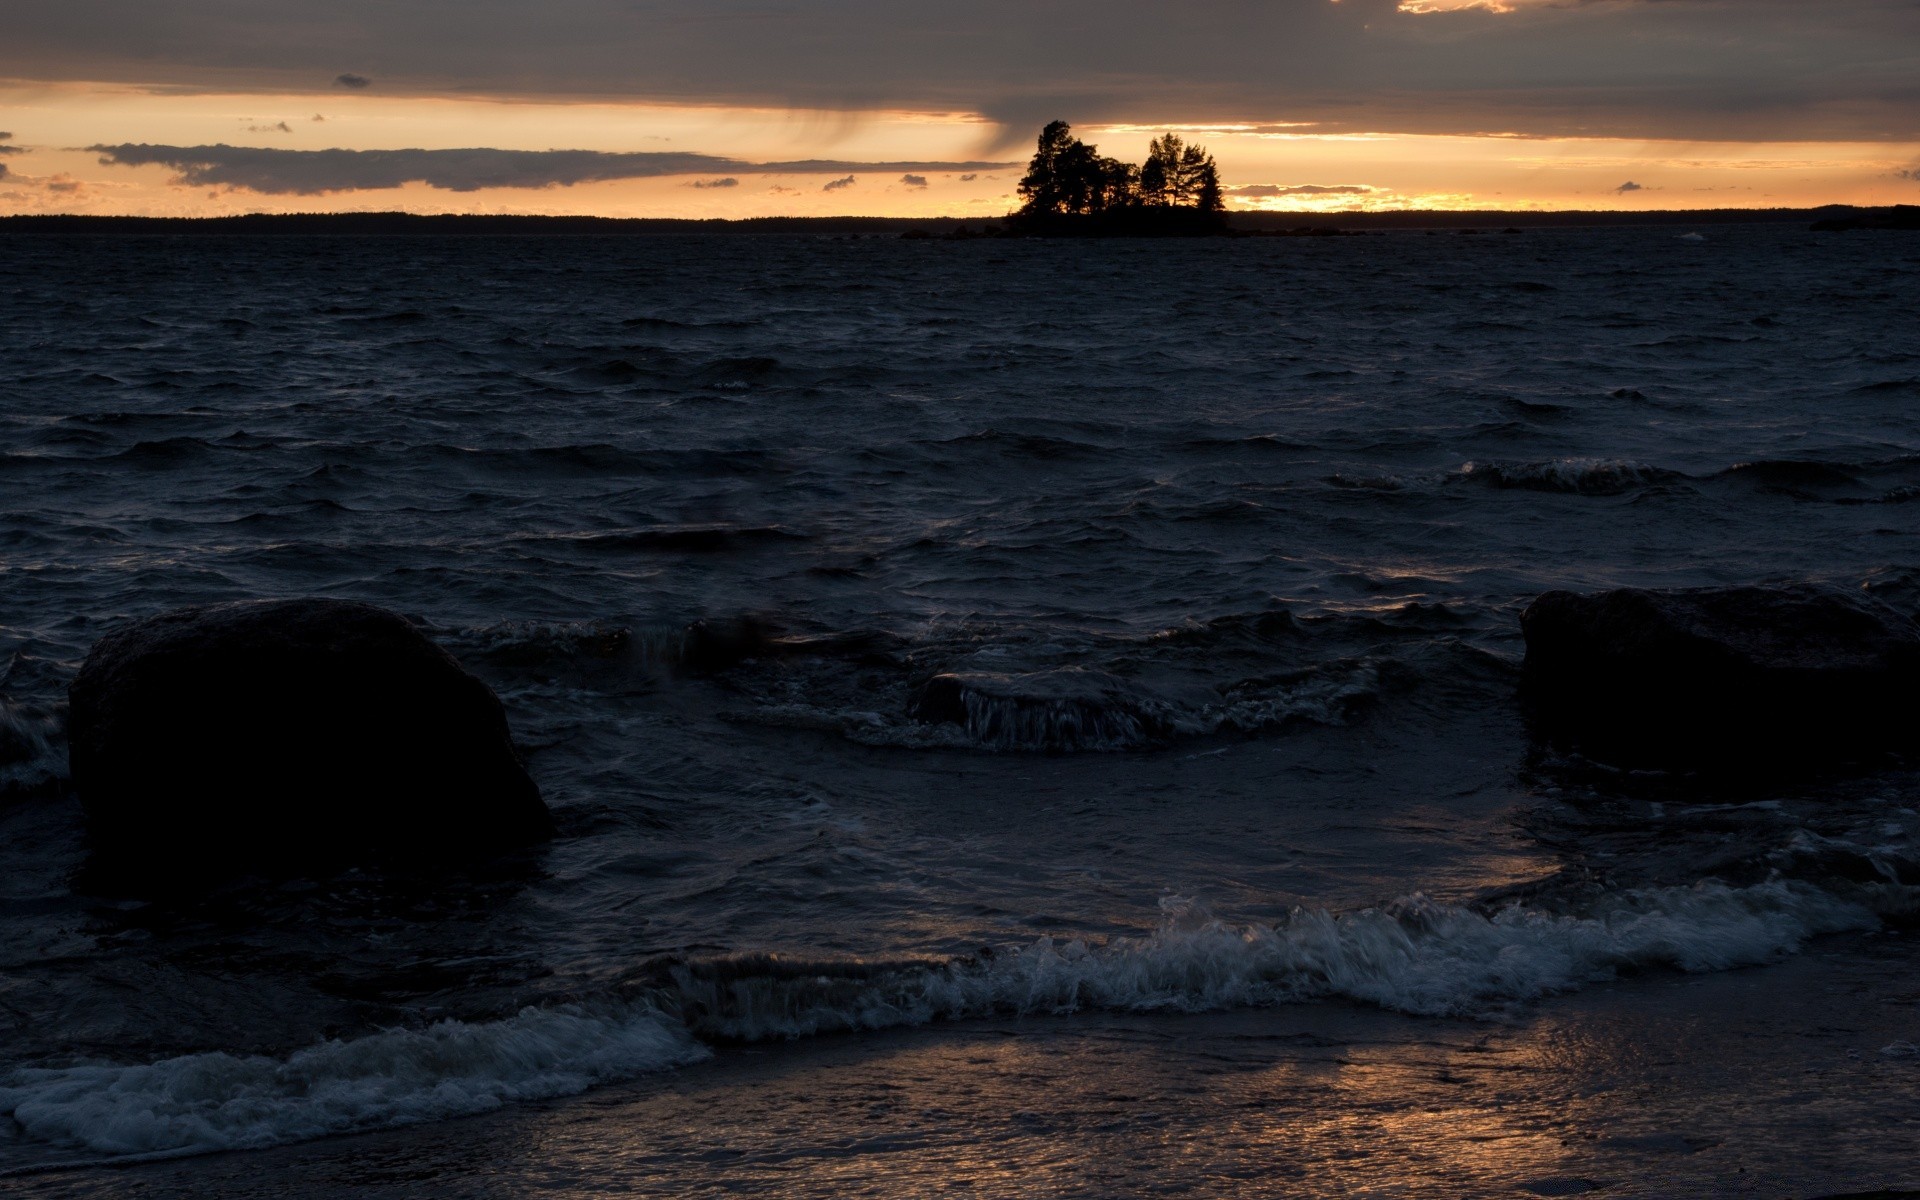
x: 732, y: 108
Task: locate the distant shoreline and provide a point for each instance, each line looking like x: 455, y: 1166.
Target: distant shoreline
x: 392, y: 223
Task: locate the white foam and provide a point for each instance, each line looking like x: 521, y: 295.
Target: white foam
x: 1414, y: 956
x: 218, y: 1101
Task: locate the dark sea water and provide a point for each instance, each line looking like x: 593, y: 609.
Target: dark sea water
x: 1219, y: 861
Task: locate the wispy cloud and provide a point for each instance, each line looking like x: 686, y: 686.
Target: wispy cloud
x: 834, y: 185
x: 1299, y: 189
x: 350, y: 80
x: 727, y: 182
x: 1629, y: 186
x: 317, y: 172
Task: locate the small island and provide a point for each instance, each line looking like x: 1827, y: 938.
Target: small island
x: 1072, y: 190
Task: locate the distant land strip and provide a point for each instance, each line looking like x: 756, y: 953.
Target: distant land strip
x: 394, y: 223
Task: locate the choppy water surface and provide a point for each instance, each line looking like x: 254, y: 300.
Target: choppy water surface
x: 1221, y: 545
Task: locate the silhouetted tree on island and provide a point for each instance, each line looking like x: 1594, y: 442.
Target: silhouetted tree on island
x: 1072, y: 189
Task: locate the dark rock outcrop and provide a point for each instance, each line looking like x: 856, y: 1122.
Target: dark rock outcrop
x: 1734, y: 678
x: 261, y: 736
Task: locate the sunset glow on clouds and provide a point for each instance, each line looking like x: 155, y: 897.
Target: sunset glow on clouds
x: 639, y: 107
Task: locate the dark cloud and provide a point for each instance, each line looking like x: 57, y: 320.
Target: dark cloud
x: 969, y: 177
x: 64, y: 185
x: 7, y: 137
x: 276, y: 127
x: 915, y: 181
x: 350, y: 80
x: 834, y: 185
x: 1299, y: 189
x: 727, y: 182
x: 314, y: 172
x: 1629, y: 186
x: 1765, y: 69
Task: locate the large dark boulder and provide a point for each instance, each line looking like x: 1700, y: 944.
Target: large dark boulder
x: 1741, y: 678
x: 263, y: 735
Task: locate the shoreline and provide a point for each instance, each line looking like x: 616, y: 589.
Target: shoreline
x: 1646, y: 1086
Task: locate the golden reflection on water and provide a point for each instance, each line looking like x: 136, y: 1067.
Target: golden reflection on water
x: 1285, y: 1102
x: 1732, y: 1084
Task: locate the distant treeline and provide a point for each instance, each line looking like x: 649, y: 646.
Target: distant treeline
x: 404, y: 224
x: 485, y: 225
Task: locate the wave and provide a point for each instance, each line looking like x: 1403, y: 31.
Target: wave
x: 686, y: 539
x: 1577, y: 476
x: 1789, y: 474
x: 1415, y: 956
x: 33, y: 752
x: 217, y: 1101
x: 1071, y: 708
x: 1067, y: 710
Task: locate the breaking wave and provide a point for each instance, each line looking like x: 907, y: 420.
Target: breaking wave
x: 220, y: 1101
x: 1577, y: 476
x: 1415, y: 956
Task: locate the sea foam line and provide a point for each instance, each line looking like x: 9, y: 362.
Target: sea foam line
x: 220, y: 1101
x: 1415, y: 956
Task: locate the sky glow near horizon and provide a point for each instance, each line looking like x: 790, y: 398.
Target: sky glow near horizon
x: 1309, y: 105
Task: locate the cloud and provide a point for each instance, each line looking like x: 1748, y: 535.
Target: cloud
x: 276, y: 127
x: 969, y: 177
x: 914, y: 181
x: 65, y: 185
x: 1299, y: 189
x: 834, y: 185
x: 1787, y: 70
x: 350, y: 80
x: 1629, y: 186
x: 318, y: 117
x: 316, y: 172
x: 1500, y: 6
x: 7, y: 137
x: 727, y: 182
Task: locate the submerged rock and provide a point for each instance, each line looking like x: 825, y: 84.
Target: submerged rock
x: 261, y: 735
x: 1741, y: 678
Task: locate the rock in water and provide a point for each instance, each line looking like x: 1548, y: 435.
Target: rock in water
x: 1725, y: 678
x: 263, y: 735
